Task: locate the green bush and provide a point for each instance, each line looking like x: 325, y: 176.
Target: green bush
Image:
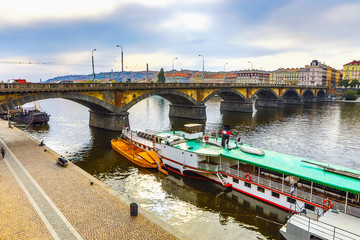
x: 350, y: 94
x: 358, y: 92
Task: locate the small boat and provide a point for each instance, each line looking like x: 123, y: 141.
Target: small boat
x: 29, y: 113
x: 62, y: 161
x: 137, y: 155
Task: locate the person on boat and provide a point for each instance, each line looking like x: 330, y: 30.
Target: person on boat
x: 2, y: 152
x: 42, y: 143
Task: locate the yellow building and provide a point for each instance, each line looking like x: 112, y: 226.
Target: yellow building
x: 351, y: 70
x: 292, y: 76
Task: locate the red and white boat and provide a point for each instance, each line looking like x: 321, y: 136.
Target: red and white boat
x: 292, y: 183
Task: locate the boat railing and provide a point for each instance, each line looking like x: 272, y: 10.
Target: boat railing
x: 208, y: 167
x: 321, y: 228
x: 285, y: 187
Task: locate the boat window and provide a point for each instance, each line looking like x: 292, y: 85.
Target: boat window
x: 275, y: 194
x: 224, y: 175
x: 235, y: 180
x: 291, y: 200
x: 246, y: 184
x: 261, y: 189
x: 312, y: 237
x: 309, y: 207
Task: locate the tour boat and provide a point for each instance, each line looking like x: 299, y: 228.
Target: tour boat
x: 29, y: 113
x: 137, y: 155
x: 292, y: 183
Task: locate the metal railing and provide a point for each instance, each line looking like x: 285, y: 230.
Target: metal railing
x: 285, y: 187
x: 208, y: 167
x: 321, y: 228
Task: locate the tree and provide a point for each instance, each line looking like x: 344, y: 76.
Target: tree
x: 354, y: 83
x: 350, y: 94
x: 344, y: 83
x: 161, y: 76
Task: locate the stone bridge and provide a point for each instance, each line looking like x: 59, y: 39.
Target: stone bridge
x: 109, y: 102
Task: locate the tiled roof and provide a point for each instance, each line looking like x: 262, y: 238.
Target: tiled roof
x: 353, y: 63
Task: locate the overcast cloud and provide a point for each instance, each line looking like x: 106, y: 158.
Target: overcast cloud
x: 45, y: 39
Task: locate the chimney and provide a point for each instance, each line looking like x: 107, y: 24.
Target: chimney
x: 225, y: 135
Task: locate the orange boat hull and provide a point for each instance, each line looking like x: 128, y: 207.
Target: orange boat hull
x: 131, y: 152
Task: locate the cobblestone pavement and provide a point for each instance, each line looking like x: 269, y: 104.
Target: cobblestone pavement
x: 95, y: 211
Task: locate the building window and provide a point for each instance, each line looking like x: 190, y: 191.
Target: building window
x: 246, y: 184
x: 235, y: 180
x: 275, y: 194
x: 261, y: 189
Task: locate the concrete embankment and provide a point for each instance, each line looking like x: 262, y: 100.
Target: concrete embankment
x: 39, y: 199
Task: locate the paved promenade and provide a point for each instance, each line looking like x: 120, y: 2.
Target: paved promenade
x: 41, y: 200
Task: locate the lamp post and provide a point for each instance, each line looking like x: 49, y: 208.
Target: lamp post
x: 203, y: 66
x: 224, y: 72
x: 251, y: 65
x: 122, y: 58
x: 92, y: 59
x: 173, y: 68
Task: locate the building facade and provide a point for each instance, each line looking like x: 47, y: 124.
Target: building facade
x: 292, y: 76
x: 351, y: 70
x: 318, y: 73
x: 253, y: 76
x: 304, y: 76
x: 177, y: 77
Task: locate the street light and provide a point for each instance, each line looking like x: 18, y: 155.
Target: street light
x: 251, y: 64
x: 173, y: 68
x: 92, y: 59
x: 203, y: 66
x: 122, y: 58
x: 224, y: 72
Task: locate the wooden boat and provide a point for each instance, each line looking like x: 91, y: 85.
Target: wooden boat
x: 137, y: 155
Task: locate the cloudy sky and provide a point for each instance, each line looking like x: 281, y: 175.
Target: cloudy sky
x: 41, y: 39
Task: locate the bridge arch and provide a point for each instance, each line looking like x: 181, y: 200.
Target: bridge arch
x: 308, y: 93
x: 233, y: 100
x: 292, y: 97
x: 228, y: 94
x: 290, y: 93
x: 309, y: 96
x: 173, y: 96
x: 265, y: 93
x: 90, y: 102
x: 321, y: 94
x: 266, y: 97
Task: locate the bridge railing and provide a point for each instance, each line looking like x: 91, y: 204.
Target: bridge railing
x: 38, y: 87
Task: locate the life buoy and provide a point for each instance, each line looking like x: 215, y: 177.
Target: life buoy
x: 247, y: 177
x: 328, y: 203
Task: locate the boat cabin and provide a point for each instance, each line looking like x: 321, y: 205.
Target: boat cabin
x: 193, y: 131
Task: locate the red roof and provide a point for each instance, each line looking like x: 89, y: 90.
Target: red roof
x: 353, y: 63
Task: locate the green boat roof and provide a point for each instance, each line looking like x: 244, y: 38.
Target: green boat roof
x: 325, y: 174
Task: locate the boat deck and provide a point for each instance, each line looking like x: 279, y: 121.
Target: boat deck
x: 331, y: 225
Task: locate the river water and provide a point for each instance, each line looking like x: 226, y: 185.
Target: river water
x: 327, y: 132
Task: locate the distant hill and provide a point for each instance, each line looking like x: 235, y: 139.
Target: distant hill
x: 108, y: 76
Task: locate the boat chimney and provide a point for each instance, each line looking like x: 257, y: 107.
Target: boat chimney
x: 225, y: 134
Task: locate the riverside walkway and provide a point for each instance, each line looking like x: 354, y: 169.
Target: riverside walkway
x: 41, y: 200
